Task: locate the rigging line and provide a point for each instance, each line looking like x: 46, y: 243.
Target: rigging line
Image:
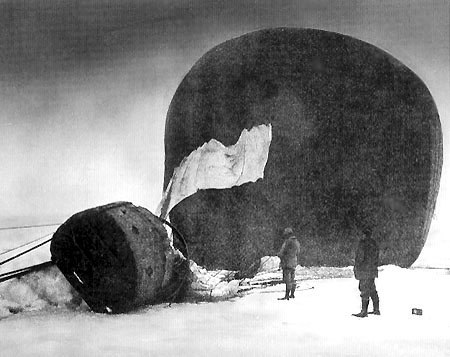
x: 25, y: 251
x: 221, y: 281
x: 25, y: 244
x: 31, y: 226
x: 25, y: 271
x: 18, y: 271
x: 231, y: 272
x: 185, y: 253
x: 180, y: 237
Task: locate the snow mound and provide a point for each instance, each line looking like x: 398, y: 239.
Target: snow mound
x: 37, y: 291
x: 269, y: 264
x: 392, y: 269
x: 212, y: 284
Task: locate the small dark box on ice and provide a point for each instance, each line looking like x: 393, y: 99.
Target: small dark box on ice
x: 416, y: 311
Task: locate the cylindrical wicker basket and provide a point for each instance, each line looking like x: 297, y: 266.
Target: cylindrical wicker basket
x: 119, y: 257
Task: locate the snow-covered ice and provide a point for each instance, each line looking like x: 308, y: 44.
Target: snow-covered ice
x: 317, y: 323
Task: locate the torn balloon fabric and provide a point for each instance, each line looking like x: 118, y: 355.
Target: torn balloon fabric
x: 214, y: 165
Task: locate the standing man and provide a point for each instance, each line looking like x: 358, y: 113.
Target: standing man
x: 289, y: 254
x: 366, y: 270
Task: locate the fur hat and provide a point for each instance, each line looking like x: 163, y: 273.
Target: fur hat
x: 288, y: 231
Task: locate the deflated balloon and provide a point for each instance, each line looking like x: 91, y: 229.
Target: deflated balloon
x: 356, y: 145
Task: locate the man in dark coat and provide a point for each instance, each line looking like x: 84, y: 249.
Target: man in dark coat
x: 289, y: 256
x: 366, y: 270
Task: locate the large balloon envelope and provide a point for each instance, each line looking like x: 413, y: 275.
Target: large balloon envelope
x: 357, y: 144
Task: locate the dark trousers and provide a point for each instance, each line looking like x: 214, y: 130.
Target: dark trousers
x: 368, y: 289
x: 289, y: 278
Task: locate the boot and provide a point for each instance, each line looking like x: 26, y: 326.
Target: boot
x: 292, y: 296
x: 286, y: 295
x: 364, y: 306
x: 376, y: 305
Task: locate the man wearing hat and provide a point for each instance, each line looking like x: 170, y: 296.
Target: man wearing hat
x: 289, y: 256
x: 366, y: 270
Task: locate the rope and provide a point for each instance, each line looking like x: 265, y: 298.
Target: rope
x: 226, y: 276
x: 183, y: 280
x: 26, y: 251
x: 180, y: 236
x: 24, y: 227
x: 24, y: 271
x: 14, y: 271
x: 23, y: 245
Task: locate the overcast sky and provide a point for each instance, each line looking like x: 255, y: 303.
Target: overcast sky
x: 85, y: 88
